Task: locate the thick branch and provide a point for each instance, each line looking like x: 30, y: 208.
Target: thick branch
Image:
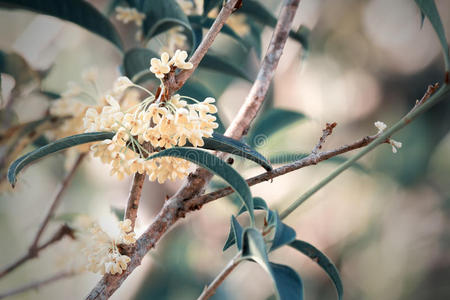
x: 36, y: 285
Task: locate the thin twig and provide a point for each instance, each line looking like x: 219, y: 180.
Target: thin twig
x: 196, y: 181
x: 36, y: 285
x: 56, y: 201
x: 34, y: 249
x: 176, y: 82
x: 211, y: 289
x: 63, y: 231
x: 325, y: 133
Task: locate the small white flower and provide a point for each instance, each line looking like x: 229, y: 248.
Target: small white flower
x: 160, y: 67
x: 179, y: 60
x: 395, y: 144
x: 380, y: 125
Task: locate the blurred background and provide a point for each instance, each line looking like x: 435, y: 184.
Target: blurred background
x: 385, y: 224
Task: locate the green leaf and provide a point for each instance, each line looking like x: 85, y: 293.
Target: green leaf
x: 217, y: 63
x: 56, y: 146
x: 284, y: 234
x: 271, y: 122
x: 17, y: 67
x: 260, y: 13
x: 234, y: 235
x: 162, y: 15
x: 290, y: 157
x: 429, y: 9
x: 287, y: 283
x: 136, y: 61
x: 79, y: 12
x: 225, y: 144
x: 323, y: 261
x: 216, y: 166
x: 207, y: 23
x: 209, y: 5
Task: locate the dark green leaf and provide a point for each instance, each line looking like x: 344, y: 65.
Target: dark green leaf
x: 79, y: 12
x: 217, y: 63
x: 216, y: 166
x: 56, y: 146
x: 234, y: 235
x: 207, y: 23
x: 429, y: 9
x: 118, y: 212
x: 290, y: 157
x: 162, y: 15
x: 209, y: 5
x: 235, y: 147
x: 284, y: 234
x: 271, y: 122
x: 287, y: 285
x: 136, y: 61
x: 260, y: 13
x: 323, y: 261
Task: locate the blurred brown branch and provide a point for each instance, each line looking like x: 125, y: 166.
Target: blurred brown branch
x: 37, y: 284
x: 34, y: 249
x: 195, y: 184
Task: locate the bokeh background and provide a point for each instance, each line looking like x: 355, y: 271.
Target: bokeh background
x: 386, y: 225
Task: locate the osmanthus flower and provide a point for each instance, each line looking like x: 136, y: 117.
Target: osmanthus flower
x: 148, y: 127
x: 160, y: 67
x: 395, y: 144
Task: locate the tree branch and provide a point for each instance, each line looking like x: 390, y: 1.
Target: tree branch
x: 211, y: 289
x: 37, y: 284
x: 134, y: 197
x: 196, y: 181
x: 34, y: 249
x: 63, y: 231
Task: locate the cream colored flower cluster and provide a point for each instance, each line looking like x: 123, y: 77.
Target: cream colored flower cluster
x: 159, y: 125
x: 102, y: 251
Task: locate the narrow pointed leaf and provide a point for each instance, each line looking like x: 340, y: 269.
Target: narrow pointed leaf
x: 79, y: 12
x: 225, y: 144
x: 162, y: 15
x: 429, y: 9
x: 137, y: 60
x: 234, y: 235
x: 209, y: 5
x: 287, y: 285
x: 274, y: 120
x: 217, y: 167
x: 217, y: 63
x: 288, y: 282
x: 284, y: 234
x: 323, y: 261
x: 53, y: 147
